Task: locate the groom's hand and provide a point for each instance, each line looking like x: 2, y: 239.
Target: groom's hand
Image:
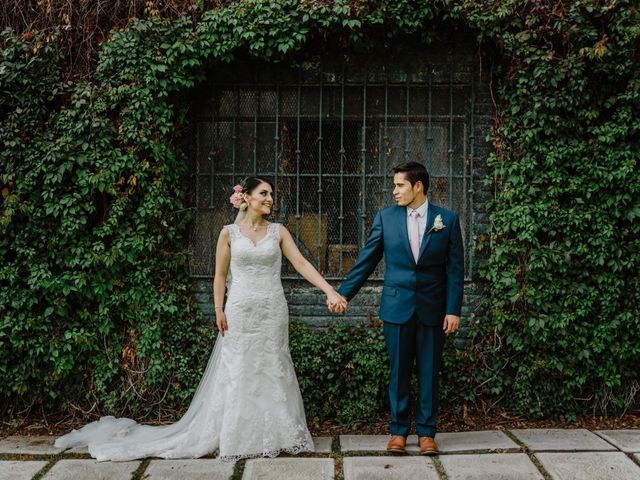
x: 451, y: 324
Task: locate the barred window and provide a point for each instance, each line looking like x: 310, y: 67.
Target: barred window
x: 327, y: 135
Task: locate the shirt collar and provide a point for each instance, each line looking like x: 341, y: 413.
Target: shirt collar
x: 422, y: 209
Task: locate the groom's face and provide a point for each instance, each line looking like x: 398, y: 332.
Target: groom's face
x: 403, y: 192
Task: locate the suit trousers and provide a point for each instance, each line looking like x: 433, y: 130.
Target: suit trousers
x: 414, y: 344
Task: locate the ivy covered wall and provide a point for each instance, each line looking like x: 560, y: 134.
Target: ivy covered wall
x: 94, y: 303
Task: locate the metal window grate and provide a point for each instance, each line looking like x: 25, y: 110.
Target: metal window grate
x: 327, y: 135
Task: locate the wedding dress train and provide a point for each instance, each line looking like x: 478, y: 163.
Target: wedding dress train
x: 248, y: 403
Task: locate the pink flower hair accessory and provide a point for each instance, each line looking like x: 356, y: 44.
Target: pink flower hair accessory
x: 237, y: 199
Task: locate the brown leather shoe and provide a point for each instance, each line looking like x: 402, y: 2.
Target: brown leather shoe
x: 397, y: 444
x: 428, y: 446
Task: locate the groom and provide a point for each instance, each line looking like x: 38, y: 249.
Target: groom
x: 421, y: 297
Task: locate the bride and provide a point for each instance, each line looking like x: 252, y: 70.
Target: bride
x: 248, y: 403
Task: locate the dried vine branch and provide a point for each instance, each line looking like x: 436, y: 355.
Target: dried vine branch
x: 85, y: 24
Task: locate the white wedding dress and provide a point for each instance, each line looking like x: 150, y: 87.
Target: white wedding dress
x: 248, y: 403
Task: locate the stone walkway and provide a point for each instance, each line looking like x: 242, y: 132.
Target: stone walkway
x: 497, y: 455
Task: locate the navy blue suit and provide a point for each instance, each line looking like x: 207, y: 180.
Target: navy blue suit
x: 415, y: 299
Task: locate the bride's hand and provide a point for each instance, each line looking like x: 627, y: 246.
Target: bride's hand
x: 221, y: 321
x: 336, y: 303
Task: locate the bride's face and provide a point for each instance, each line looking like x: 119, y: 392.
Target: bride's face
x: 260, y: 199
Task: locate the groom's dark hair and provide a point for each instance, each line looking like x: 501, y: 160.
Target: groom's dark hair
x: 414, y: 172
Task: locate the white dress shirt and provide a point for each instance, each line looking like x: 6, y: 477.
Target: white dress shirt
x: 422, y: 219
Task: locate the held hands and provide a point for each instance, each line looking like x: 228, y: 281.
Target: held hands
x: 451, y: 324
x: 336, y: 303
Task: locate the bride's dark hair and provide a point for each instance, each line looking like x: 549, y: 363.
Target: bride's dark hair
x: 251, y: 183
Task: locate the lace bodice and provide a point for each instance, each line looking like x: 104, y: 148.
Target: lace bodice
x: 255, y: 266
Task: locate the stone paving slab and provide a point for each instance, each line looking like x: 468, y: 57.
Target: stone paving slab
x: 322, y: 444
x: 197, y: 469
x: 626, y: 440
x: 540, y: 439
x: 289, y: 468
x: 91, y: 469
x: 36, y: 445
x: 589, y: 465
x: 489, y: 440
x: 17, y: 470
x: 494, y: 466
x: 389, y: 468
x: 368, y: 443
x: 374, y: 443
x: 84, y: 449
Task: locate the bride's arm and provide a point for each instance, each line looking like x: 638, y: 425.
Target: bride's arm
x: 223, y: 256
x: 304, y: 268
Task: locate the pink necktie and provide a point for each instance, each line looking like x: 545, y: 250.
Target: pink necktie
x: 414, y: 235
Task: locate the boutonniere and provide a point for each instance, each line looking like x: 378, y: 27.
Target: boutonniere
x: 437, y: 224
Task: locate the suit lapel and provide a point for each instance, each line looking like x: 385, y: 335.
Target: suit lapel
x: 402, y: 228
x: 431, y: 216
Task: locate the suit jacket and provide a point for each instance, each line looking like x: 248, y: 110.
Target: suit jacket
x: 432, y: 287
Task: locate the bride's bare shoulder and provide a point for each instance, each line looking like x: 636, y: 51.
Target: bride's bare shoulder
x: 282, y: 229
x: 224, y: 234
